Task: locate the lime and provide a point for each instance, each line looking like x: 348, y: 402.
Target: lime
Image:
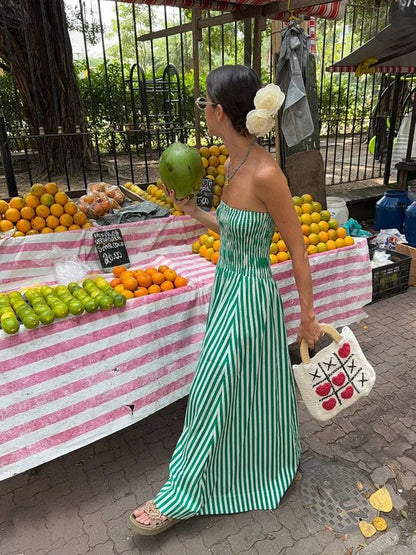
x: 31, y: 293
x: 62, y: 290
x: 80, y: 294
x: 47, y: 290
x: 24, y: 311
x: 105, y: 302
x: 31, y: 321
x: 4, y: 301
x: 52, y: 300
x: 18, y: 304
x: 91, y: 305
x: 37, y: 299
x: 73, y: 285
x: 40, y: 307
x: 60, y: 310
x: 46, y: 316
x: 7, y: 310
x: 119, y: 300
x: 95, y: 293
x: 87, y: 283
x: 10, y: 324
x: 75, y: 307
x: 101, y: 282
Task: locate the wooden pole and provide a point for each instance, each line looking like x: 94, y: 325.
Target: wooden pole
x: 196, y: 37
x: 259, y: 25
x: 277, y: 27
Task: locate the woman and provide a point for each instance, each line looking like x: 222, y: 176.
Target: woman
x: 239, y: 449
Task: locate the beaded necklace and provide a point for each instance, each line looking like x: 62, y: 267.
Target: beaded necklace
x: 229, y: 176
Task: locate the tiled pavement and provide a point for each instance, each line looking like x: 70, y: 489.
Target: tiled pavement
x: 80, y: 503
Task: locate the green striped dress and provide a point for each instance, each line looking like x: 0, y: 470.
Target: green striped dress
x: 239, y: 449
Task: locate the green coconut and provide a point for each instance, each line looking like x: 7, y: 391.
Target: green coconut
x: 181, y: 169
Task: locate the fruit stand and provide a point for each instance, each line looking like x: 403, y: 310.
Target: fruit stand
x: 66, y: 385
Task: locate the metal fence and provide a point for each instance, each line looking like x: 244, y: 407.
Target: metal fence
x: 97, y: 90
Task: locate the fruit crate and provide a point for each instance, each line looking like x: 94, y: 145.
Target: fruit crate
x: 392, y: 278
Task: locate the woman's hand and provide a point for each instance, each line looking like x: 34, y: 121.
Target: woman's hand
x: 310, y: 331
x: 187, y: 205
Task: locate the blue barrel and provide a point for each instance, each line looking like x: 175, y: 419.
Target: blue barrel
x: 390, y: 210
x: 410, y: 224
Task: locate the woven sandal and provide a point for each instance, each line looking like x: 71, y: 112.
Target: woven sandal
x: 159, y: 522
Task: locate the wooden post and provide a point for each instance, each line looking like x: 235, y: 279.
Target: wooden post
x: 259, y: 25
x: 277, y: 27
x: 196, y: 37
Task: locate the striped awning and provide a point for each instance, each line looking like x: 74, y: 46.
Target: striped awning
x: 326, y: 10
x: 393, y: 50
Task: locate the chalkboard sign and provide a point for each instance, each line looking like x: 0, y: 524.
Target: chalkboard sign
x: 111, y: 249
x: 205, y: 194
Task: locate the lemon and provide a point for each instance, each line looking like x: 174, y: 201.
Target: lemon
x: 10, y: 325
x: 31, y: 321
x: 60, y: 310
x: 75, y: 307
x: 46, y: 316
x: 90, y: 305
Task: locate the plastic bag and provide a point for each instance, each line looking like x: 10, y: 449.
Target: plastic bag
x: 354, y: 229
x: 96, y: 204
x: 388, y: 239
x: 71, y: 269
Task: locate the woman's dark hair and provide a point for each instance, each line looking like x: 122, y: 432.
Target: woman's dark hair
x: 234, y: 87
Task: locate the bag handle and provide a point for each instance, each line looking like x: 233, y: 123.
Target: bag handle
x: 325, y: 328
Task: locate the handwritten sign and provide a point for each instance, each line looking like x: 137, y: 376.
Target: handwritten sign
x: 205, y: 194
x: 111, y: 249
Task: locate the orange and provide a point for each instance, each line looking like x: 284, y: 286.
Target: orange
x: 215, y: 257
x: 204, y: 162
x: 38, y: 223
x: 61, y: 198
x: 57, y: 210
x: 16, y: 202
x: 314, y: 227
x: 281, y: 245
x: 3, y: 206
x: 203, y: 238
x: 323, y: 225
x: 203, y: 250
x: 332, y: 234
x: 74, y: 226
x: 306, y: 239
x: 12, y: 214
x: 51, y: 188
x: 18, y: 234
x: 330, y: 245
x: 307, y: 198
x: 316, y: 217
x: 222, y: 158
x: 333, y: 223
x: 31, y: 200
x: 214, y: 150
x: 114, y: 282
x: 86, y: 225
x: 118, y: 270
x: 166, y: 286
x: 307, y: 208
x: 52, y: 221
x: 80, y: 218
x: 141, y: 292
x: 313, y: 239
x: 154, y: 289
x: 305, y: 229
x: 208, y: 253
x: 204, y: 152
x: 60, y: 228
x: 130, y: 283
x: 6, y: 225
x: 339, y: 243
x: 41, y: 210
x: 23, y: 225
x: 223, y: 150
x: 282, y: 256
x: 32, y: 232
x: 305, y: 219
x: 213, y: 161
x: 181, y: 281
x: 71, y: 208
x: 126, y: 274
x: 170, y: 275
x: 311, y: 249
x: 27, y: 213
x: 325, y: 215
x: 216, y: 245
x: 323, y: 236
x: 348, y: 241
x: 158, y: 278
x: 150, y: 270
x: 66, y: 220
x: 47, y: 199
x: 163, y: 268
x: 276, y: 237
x: 46, y: 230
x: 144, y: 280
x: 37, y: 189
x: 317, y: 206
x: 119, y: 288
x: 273, y: 259
x: 127, y: 293
x: 341, y: 232
x: 321, y: 247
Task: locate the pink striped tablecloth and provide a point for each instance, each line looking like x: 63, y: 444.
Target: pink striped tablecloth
x: 67, y: 385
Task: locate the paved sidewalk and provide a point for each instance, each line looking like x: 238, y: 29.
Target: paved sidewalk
x: 80, y: 503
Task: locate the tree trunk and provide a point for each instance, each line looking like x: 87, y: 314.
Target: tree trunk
x: 35, y: 45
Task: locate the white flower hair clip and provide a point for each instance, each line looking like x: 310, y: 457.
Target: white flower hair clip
x: 267, y: 102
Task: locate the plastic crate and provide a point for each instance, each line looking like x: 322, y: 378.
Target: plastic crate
x: 392, y: 278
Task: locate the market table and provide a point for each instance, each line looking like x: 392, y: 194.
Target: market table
x: 85, y: 377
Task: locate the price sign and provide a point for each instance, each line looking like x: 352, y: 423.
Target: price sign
x: 205, y: 194
x: 111, y: 249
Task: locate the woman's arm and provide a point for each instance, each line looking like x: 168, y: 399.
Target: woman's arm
x: 275, y: 194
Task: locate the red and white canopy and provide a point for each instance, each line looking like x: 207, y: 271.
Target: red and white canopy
x: 326, y: 10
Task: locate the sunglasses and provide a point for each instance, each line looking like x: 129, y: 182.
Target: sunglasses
x: 202, y: 103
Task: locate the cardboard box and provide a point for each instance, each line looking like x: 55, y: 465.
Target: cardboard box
x: 404, y: 248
